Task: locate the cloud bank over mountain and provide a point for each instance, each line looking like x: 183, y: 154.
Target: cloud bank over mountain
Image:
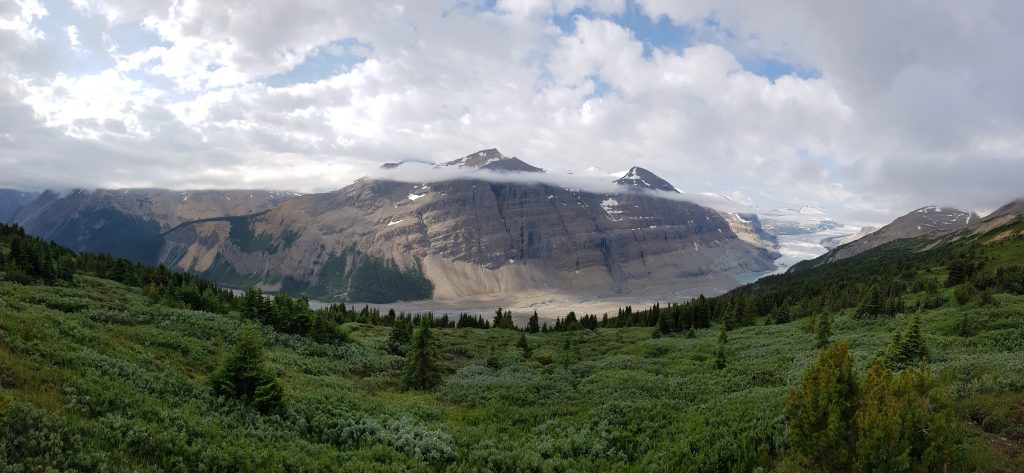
x: 863, y: 108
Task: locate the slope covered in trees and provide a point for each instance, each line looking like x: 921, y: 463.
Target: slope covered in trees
x: 105, y: 365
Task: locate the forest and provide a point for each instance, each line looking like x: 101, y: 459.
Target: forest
x: 896, y: 360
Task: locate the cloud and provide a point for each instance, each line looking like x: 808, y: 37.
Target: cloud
x: 419, y: 173
x: 907, y: 104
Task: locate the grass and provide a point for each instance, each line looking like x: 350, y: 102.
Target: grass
x: 96, y: 378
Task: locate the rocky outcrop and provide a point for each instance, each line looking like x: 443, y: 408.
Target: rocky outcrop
x: 128, y: 222
x: 640, y: 178
x: 471, y: 237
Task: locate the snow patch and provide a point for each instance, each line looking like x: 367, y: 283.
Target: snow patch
x: 395, y: 222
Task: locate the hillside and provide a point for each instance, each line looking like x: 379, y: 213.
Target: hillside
x: 933, y: 221
x: 90, y: 366
x: 128, y: 222
x: 11, y: 200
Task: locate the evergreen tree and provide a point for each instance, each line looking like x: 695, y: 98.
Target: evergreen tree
x: 422, y: 366
x: 254, y: 306
x: 534, y: 325
x: 244, y: 375
x: 524, y: 345
x: 720, y: 355
x: 900, y: 425
x: 872, y: 303
x: 824, y: 330
x: 691, y: 333
x: 821, y: 411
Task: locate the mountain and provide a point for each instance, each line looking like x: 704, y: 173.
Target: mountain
x: 839, y: 240
x: 477, y: 160
x: 789, y: 221
x: 931, y: 220
x: 748, y: 227
x: 11, y: 200
x: 640, y: 178
x: 128, y: 222
x: 379, y: 240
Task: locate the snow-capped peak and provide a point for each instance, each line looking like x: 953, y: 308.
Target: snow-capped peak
x: 642, y: 178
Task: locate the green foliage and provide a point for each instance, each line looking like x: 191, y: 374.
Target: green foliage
x: 821, y: 411
x: 241, y: 233
x: 533, y: 326
x: 890, y: 423
x: 401, y: 335
x: 422, y: 365
x: 104, y: 375
x: 824, y: 331
x: 902, y: 423
x: 964, y: 293
x: 378, y: 281
x: 244, y: 375
x: 524, y: 345
x: 720, y: 354
x: 503, y: 319
x: 907, y: 346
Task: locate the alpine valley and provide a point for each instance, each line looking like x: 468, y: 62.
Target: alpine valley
x: 484, y: 227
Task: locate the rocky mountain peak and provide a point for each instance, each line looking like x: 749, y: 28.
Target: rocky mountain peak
x: 639, y: 177
x: 478, y: 159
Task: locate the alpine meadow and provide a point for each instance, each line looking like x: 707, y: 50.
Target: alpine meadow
x: 728, y: 236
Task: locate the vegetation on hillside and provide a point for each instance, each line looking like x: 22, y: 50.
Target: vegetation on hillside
x: 110, y: 366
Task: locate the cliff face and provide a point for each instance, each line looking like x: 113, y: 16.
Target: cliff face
x: 128, y: 222
x: 468, y: 238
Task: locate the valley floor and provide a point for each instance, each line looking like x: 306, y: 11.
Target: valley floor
x: 96, y: 378
x: 550, y: 305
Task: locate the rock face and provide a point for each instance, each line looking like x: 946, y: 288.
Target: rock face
x: 747, y: 226
x: 921, y: 222
x: 11, y: 200
x: 640, y: 178
x: 128, y: 222
x: 836, y: 241
x: 467, y: 238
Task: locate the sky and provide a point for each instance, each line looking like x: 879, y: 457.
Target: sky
x: 867, y: 109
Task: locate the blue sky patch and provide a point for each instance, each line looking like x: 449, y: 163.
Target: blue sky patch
x: 325, y: 61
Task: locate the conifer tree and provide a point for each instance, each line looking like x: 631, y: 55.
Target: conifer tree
x: 534, y: 325
x: 524, y: 345
x: 422, y: 368
x: 872, y: 303
x: 824, y: 329
x: 244, y: 375
x: 821, y: 411
x: 900, y: 424
x: 720, y: 355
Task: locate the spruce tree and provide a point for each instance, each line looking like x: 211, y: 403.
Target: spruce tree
x: 907, y: 346
x: 912, y: 346
x: 824, y: 329
x: 821, y: 411
x: 534, y: 325
x: 872, y: 304
x: 422, y: 368
x: 524, y: 345
x: 720, y: 355
x: 244, y: 375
